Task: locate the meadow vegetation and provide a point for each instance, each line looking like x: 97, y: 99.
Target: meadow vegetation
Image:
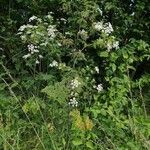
x: 74, y: 75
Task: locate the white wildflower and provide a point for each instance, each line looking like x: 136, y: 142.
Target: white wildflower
x: 51, y: 12
x: 63, y: 19
x: 54, y: 64
x: 19, y: 33
x: 36, y: 51
x: 83, y: 34
x: 32, y: 18
x: 23, y: 37
x: 37, y: 62
x: 73, y: 102
x: 30, y: 47
x: 111, y: 45
x: 99, y: 87
x: 51, y: 31
x: 74, y: 83
x: 97, y: 69
x: 108, y: 28
x: 104, y: 27
x: 33, y: 49
x: 40, y: 56
x: 22, y: 28
x: 26, y: 56
x: 133, y: 14
x: 29, y: 26
x: 98, y: 26
x: 116, y: 44
x: 73, y: 93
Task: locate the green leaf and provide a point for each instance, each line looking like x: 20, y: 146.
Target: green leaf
x: 113, y: 67
x: 89, y: 145
x: 2, y: 86
x: 77, y: 142
x: 125, y: 55
x: 104, y: 54
x: 57, y: 92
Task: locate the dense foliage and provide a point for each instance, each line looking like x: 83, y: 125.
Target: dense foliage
x: 74, y: 74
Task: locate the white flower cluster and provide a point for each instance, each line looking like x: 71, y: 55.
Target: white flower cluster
x: 98, y: 26
x: 108, y: 28
x: 31, y: 50
x: 99, y: 87
x: 96, y: 69
x: 83, y: 34
x: 26, y: 56
x: 22, y: 28
x: 111, y: 45
x: 73, y: 102
x: 64, y: 20
x: 51, y: 31
x: 74, y: 83
x: 33, y: 18
x: 104, y: 27
x: 54, y: 64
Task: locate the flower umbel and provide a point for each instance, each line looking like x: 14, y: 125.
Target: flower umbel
x: 33, y: 18
x: 51, y: 31
x: 73, y: 102
x: 103, y: 27
x: 74, y: 83
x: 54, y: 64
x: 99, y: 87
